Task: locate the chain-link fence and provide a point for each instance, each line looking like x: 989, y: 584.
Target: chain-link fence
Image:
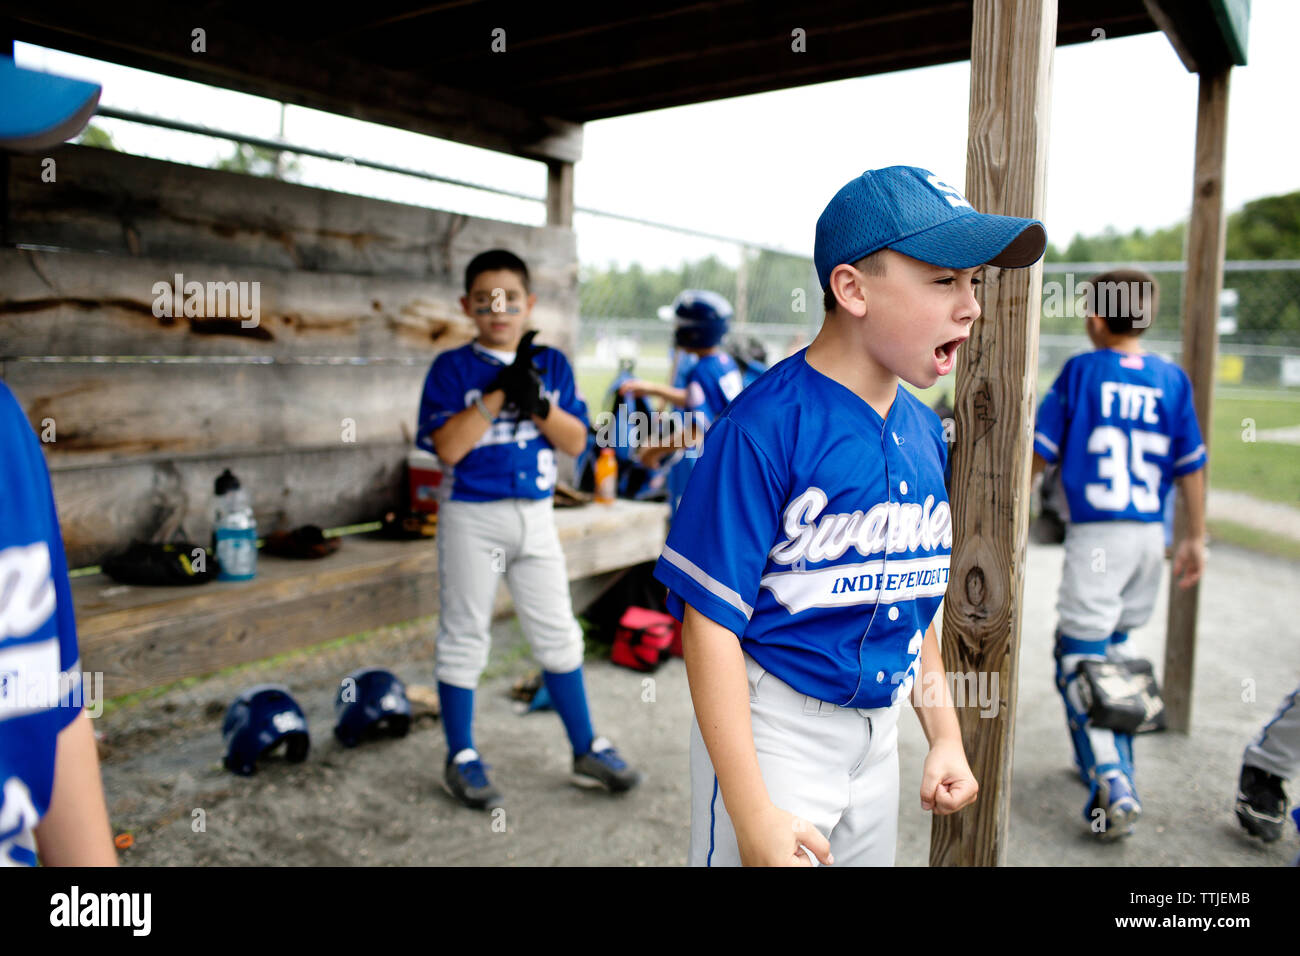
x: 778, y: 302
x: 776, y: 295
x: 1259, y: 323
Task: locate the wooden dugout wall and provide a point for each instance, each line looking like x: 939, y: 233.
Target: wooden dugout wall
x: 313, y: 408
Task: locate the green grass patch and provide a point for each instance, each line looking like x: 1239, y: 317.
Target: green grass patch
x: 130, y: 700
x: 594, y: 385
x: 1252, y: 539
x: 126, y: 701
x: 1268, y: 470
x: 506, y: 662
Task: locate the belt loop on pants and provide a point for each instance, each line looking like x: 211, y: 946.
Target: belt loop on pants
x: 817, y: 708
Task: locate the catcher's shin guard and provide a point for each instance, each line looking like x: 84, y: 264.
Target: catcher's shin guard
x: 1095, y: 749
x: 1118, y: 649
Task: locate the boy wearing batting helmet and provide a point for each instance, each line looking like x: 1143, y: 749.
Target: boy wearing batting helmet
x: 711, y: 379
x: 1122, y: 424
x: 811, y: 548
x: 495, y: 411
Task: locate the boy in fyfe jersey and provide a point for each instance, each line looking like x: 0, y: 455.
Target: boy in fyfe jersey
x: 1123, y: 426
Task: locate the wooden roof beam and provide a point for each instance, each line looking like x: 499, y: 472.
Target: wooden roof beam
x: 1208, y: 35
x: 235, y: 58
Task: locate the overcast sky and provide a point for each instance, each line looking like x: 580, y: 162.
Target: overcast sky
x: 762, y: 167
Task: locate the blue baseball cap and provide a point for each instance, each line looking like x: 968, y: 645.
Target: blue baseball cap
x: 40, y: 110
x: 912, y: 211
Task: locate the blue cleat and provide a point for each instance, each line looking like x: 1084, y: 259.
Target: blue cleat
x: 1119, y: 806
x: 603, y: 767
x: 466, y: 779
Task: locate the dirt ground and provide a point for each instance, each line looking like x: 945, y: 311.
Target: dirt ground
x: 382, y: 803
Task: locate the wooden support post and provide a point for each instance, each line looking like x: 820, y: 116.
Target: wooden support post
x: 1012, y: 43
x: 559, y: 193
x: 1204, y: 280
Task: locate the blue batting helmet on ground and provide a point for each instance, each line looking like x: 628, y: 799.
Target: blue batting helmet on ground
x: 370, y: 701
x: 701, y: 317
x: 257, y: 721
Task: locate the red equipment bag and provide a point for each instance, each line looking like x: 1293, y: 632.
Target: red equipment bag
x: 643, y: 639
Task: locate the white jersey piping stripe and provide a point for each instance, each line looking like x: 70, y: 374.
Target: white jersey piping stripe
x: 713, y: 586
x: 1047, y: 443
x: 1190, y: 456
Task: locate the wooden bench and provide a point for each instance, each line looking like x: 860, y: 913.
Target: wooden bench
x: 141, y: 637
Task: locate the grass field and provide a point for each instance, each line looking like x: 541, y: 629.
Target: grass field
x: 1265, y: 469
x: 1230, y: 532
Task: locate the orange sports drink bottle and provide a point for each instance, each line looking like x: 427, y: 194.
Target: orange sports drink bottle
x: 606, y: 477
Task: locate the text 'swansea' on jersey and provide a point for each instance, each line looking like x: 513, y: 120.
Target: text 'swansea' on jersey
x: 817, y: 532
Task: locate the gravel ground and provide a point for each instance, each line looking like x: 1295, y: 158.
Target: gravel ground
x: 382, y: 803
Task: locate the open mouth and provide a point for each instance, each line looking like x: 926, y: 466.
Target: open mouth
x: 945, y: 356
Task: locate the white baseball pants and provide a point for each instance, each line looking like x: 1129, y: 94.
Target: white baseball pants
x: 481, y: 542
x: 836, y: 767
x: 1111, y: 577
x: 1276, y: 748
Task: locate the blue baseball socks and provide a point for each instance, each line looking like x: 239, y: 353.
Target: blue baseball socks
x: 569, y: 698
x: 457, y: 717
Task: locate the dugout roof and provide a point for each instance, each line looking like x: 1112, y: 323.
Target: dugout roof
x: 431, y: 67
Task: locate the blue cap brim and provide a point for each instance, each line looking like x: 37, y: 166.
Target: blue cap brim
x: 39, y: 110
x: 978, y: 239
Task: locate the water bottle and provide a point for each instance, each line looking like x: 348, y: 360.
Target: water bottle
x: 606, y: 477
x: 234, y: 530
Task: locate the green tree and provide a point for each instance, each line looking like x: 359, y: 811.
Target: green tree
x: 1268, y: 307
x: 1267, y: 228
x: 260, y: 161
x: 98, y: 137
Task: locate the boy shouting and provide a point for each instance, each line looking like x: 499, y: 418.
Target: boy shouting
x: 811, y: 548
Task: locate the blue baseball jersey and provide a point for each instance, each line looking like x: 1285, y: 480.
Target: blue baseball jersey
x: 1123, y: 427
x: 513, y: 459
x: 679, y: 472
x: 711, y: 384
x: 40, y: 675
x: 817, y: 532
x: 685, y: 362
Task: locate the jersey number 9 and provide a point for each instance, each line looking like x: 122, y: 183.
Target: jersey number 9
x: 547, y: 471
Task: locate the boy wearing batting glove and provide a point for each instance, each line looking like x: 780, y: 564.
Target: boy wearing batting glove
x: 810, y: 551
x: 495, y: 411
